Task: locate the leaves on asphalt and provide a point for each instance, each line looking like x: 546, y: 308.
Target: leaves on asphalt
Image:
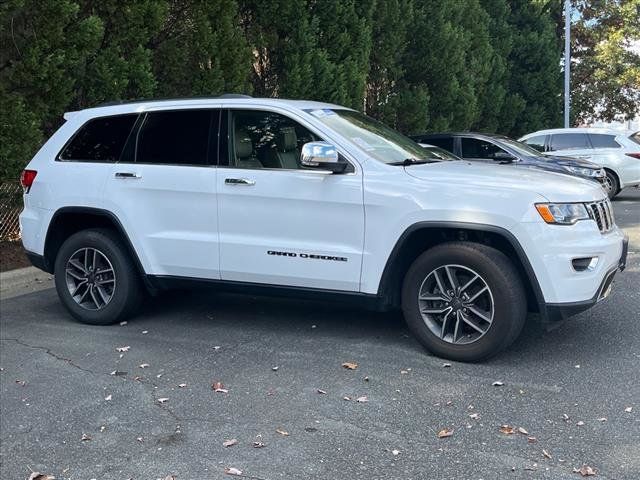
x: 182, y: 385
x: 532, y: 440
x: 123, y: 349
x: 85, y: 437
x: 230, y: 443
x: 395, y: 453
x: 585, y: 471
x: 22, y: 383
x: 523, y: 431
x: 259, y: 444
x: 40, y: 476
x: 546, y: 454
x: 350, y: 365
x: 284, y: 433
x: 474, y: 416
x: 362, y: 399
x: 507, y: 430
x: 162, y: 400
x: 170, y: 477
x: 628, y: 409
x: 321, y: 392
x: 497, y: 383
x: 108, y: 398
x: 118, y: 373
x: 232, y: 471
x: 143, y: 365
x: 218, y: 387
x: 445, y: 432
x: 446, y: 365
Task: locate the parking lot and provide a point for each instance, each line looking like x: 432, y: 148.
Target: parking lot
x: 136, y: 400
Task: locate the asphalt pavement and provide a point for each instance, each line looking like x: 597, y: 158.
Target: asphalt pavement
x: 74, y: 406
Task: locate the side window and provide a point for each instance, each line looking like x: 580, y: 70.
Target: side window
x: 261, y: 139
x: 536, y: 142
x: 598, y: 140
x: 178, y: 137
x: 474, y: 148
x: 446, y: 143
x: 569, y: 141
x: 100, y: 140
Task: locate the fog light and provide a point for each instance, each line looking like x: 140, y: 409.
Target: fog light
x: 585, y: 263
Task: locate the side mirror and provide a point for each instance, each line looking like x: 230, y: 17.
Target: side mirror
x: 323, y: 156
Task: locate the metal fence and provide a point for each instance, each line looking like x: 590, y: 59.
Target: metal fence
x: 10, y: 207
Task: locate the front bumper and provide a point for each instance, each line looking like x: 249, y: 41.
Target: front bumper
x: 555, y: 313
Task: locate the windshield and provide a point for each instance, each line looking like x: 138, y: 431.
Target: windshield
x: 378, y: 140
x: 521, y: 148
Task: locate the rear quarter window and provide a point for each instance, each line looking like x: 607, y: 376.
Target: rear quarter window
x: 569, y: 141
x: 100, y: 140
x: 599, y: 140
x: 635, y: 137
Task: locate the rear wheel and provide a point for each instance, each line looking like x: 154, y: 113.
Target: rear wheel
x: 96, y: 279
x: 612, y: 185
x: 464, y: 301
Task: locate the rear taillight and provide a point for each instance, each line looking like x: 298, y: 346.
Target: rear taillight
x: 26, y: 179
x: 634, y: 155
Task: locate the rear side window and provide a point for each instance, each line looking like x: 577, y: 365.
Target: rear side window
x: 474, y: 148
x: 536, y: 142
x: 100, y: 140
x: 570, y: 141
x: 635, y: 137
x: 599, y: 140
x: 179, y: 137
x: 446, y: 143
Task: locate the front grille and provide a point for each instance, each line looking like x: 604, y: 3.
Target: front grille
x: 602, y: 213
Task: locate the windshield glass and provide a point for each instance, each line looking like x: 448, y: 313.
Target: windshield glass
x: 521, y: 148
x: 378, y: 140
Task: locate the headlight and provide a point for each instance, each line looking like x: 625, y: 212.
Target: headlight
x: 562, y: 213
x: 585, y: 172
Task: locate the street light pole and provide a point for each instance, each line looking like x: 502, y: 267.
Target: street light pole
x: 567, y: 61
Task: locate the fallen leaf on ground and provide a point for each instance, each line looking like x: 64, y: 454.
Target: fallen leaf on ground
x: 403, y: 372
x: 259, y: 444
x: 40, y: 476
x: 628, y: 409
x: 497, y: 384
x: 123, y: 323
x: 170, y: 477
x: 445, y: 432
x: 162, y: 400
x: 523, y: 431
x: 182, y: 385
x: 218, y: 387
x: 350, y: 365
x: 217, y: 347
x: 446, y: 365
x: 102, y: 428
x: 140, y: 439
x: 123, y: 349
x: 362, y: 399
x: 85, y: 437
x: 275, y: 369
x: 22, y: 383
x: 321, y: 392
x: 118, y: 373
x: 474, y: 416
x: 602, y: 419
x: 366, y: 379
x: 580, y: 423
x: 230, y: 443
x: 144, y: 332
x: 232, y: 471
x: 284, y: 433
x: 546, y: 454
x: 585, y: 471
x: 532, y: 439
x: 347, y: 398
x: 395, y: 452
x: 108, y: 398
x: 143, y: 365
x: 507, y: 430
x: 565, y: 417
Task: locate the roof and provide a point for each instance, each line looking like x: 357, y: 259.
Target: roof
x: 608, y: 131
x: 116, y: 108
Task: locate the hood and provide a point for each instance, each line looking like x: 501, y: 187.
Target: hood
x: 571, y: 162
x: 555, y: 187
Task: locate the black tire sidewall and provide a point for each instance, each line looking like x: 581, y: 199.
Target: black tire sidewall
x: 615, y: 186
x: 506, y: 289
x: 126, y: 282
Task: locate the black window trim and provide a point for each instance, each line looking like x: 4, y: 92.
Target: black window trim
x: 349, y: 170
x: 59, y: 158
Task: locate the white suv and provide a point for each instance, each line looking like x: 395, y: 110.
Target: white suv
x: 314, y: 199
x: 618, y: 151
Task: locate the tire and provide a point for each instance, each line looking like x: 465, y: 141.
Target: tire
x: 614, y: 184
x: 505, y: 293
x: 117, y: 294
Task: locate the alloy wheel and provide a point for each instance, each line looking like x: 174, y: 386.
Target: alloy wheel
x: 456, y: 304
x: 90, y: 278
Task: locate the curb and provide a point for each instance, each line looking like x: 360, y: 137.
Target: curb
x: 24, y: 280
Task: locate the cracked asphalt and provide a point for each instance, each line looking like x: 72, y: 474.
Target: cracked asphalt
x: 559, y: 386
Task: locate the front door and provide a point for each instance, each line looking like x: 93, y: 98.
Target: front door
x: 281, y: 224
x: 163, y: 191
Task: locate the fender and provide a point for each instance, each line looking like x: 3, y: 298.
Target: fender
x: 385, y: 288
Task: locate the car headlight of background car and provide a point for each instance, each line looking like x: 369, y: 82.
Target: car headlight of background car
x: 562, y: 213
x: 587, y: 172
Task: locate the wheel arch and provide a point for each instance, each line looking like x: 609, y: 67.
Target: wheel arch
x: 69, y: 220
x: 423, y: 235
x: 615, y: 174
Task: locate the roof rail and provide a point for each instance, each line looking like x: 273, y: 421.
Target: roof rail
x: 141, y: 100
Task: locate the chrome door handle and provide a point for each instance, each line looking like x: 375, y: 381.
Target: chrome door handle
x: 239, y: 181
x: 128, y: 175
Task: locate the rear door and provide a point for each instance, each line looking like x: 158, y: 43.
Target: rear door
x: 164, y: 192
x: 281, y: 224
x: 574, y: 144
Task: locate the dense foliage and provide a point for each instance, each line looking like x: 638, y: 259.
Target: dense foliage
x: 416, y: 64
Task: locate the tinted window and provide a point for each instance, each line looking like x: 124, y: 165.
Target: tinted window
x: 536, y: 142
x: 569, y: 141
x: 100, y: 139
x: 261, y: 139
x: 178, y: 137
x: 635, y: 137
x: 599, y: 140
x: 474, y: 148
x: 446, y: 143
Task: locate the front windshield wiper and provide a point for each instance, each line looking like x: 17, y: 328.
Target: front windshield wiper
x: 413, y: 161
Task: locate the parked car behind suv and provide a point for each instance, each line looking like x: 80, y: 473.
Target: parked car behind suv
x: 618, y: 151
x: 485, y: 147
x: 271, y: 195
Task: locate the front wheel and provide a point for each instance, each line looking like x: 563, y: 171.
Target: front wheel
x: 464, y: 301
x: 612, y: 185
x: 96, y: 279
